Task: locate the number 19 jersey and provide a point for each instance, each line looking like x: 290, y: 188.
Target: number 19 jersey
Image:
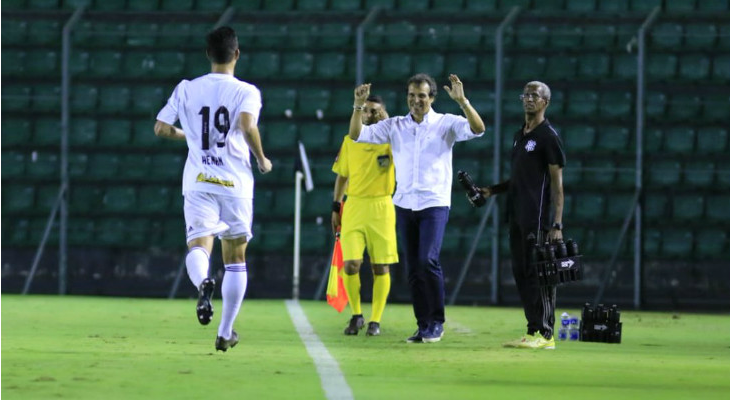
x: 208, y: 108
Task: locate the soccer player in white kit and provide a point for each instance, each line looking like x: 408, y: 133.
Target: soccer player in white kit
x: 218, y: 114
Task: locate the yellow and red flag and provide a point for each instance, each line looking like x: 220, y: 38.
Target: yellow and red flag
x: 336, y: 294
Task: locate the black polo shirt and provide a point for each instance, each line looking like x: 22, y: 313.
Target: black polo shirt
x: 529, y: 189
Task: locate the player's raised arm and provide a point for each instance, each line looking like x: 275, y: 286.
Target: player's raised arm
x: 361, y: 95
x: 456, y: 92
x: 252, y: 136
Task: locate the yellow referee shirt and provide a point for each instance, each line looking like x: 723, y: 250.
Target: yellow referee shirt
x: 368, y: 167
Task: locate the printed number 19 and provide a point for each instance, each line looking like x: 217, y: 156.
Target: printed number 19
x: 223, y: 126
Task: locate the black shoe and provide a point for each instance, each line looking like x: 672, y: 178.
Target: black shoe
x: 205, y: 307
x: 434, y: 333
x: 373, y: 329
x: 416, y: 338
x: 223, y: 344
x: 356, y: 323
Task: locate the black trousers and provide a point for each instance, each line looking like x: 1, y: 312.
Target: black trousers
x: 538, y: 302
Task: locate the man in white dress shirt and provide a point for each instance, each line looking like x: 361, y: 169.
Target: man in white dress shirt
x: 422, y: 143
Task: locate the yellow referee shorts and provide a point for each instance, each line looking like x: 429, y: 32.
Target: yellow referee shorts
x: 369, y: 223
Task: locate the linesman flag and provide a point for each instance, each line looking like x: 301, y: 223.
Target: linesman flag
x: 336, y: 294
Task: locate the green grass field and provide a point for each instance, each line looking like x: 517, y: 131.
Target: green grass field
x: 118, y: 348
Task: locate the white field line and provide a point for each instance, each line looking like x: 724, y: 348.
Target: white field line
x: 457, y: 327
x: 333, y: 382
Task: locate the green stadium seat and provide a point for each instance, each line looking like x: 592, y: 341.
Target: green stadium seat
x: 46, y: 197
x: 267, y: 64
x: 717, y: 208
x: 712, y: 139
x: 322, y: 170
x: 330, y: 65
x: 666, y: 35
x: 483, y: 102
x: 572, y: 173
x: 316, y: 135
x: 432, y: 64
x: 413, y: 5
x: 561, y: 68
x: 684, y: 108
x: 694, y: 67
x: 594, y: 66
x: 14, y: 31
x: 77, y: 163
x: 84, y: 98
x: 480, y: 5
x: 197, y: 65
x: 651, y: 241
x: 277, y: 5
x: 103, y: 35
x: 284, y: 203
x: 606, y: 240
x: 143, y: 134
x: 142, y: 5
x: 370, y: 66
x: 624, y: 66
x: 655, y: 105
x: 267, y: 35
x: 138, y: 64
x: 616, y: 105
x: 277, y: 237
x: 345, y: 5
x: 81, y: 231
x: 79, y: 62
x: 700, y: 36
x: 111, y: 232
x: 154, y: 199
x: 42, y: 63
x: 465, y: 36
x: 434, y: 36
x: 105, y: 64
x: 277, y: 100
x: 699, y: 173
x: 399, y: 35
x: 677, y: 243
x: 47, y: 132
x: 42, y: 165
x: 599, y: 172
x: 103, y: 165
x: 142, y: 34
x: 715, y: 108
x: 589, y: 207
x: 114, y: 99
x: 15, y: 131
x: 711, y: 243
x: 679, y: 139
x: 452, y: 238
x: 174, y: 35
x: 689, y: 207
x: 296, y: 65
x: 312, y: 100
x: 665, y: 173
x: 317, y: 202
x: 114, y: 132
x: 315, y: 239
x: 462, y: 64
x: 302, y: 36
x: 14, y: 64
x: 134, y: 166
x: 599, y: 36
x: 148, y: 100
x: 654, y: 140
x: 720, y: 68
x: 645, y: 5
x: 395, y: 66
x: 512, y: 108
x: 582, y: 104
x: 661, y: 67
x: 487, y: 66
x: 167, y: 166
x: 168, y: 64
x: 613, y: 139
x: 336, y: 36
x: 46, y: 98
x: 460, y: 207
x: 532, y: 36
x: 85, y: 199
x: 656, y: 205
x: 44, y: 32
x: 13, y: 164
x: 618, y: 206
x: 680, y: 6
x: 220, y: 5
x: 581, y: 6
x: 18, y: 198
x: 280, y: 135
x: 565, y: 36
x: 713, y: 5
x: 176, y: 5
x: 506, y: 5
x: 489, y: 43
x: 341, y: 103
x: 527, y: 68
x: 626, y: 174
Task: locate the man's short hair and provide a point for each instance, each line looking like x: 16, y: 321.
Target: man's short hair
x: 419, y: 79
x: 376, y: 99
x: 543, y: 88
x: 222, y: 45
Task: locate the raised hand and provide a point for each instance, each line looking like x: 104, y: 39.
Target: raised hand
x: 456, y: 91
x: 361, y: 94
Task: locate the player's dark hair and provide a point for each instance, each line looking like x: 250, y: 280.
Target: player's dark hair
x: 222, y: 45
x: 375, y: 99
x: 418, y: 79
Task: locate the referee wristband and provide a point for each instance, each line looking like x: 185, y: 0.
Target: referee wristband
x: 358, y: 108
x: 336, y: 206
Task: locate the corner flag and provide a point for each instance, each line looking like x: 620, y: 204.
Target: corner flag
x: 336, y: 294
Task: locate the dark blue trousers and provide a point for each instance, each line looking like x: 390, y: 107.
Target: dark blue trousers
x: 421, y: 233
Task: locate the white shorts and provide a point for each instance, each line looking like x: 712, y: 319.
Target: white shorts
x: 209, y: 214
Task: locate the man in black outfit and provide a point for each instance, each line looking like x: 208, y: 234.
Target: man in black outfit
x: 535, y: 184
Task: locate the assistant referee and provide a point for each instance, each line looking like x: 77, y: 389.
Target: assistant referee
x: 536, y: 184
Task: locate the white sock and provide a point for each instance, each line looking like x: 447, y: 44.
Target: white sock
x: 233, y: 290
x: 197, y: 262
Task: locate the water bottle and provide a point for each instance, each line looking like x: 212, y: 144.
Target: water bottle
x: 564, y: 325
x: 573, y: 328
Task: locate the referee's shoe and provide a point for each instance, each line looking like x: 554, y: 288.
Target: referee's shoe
x: 205, y: 307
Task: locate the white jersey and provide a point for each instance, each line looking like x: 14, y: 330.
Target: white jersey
x: 209, y: 108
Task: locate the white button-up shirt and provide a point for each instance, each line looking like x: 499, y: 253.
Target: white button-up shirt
x: 422, y: 155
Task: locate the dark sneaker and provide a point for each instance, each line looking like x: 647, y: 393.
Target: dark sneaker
x: 434, y: 333
x: 416, y: 338
x: 373, y: 329
x: 205, y: 307
x: 356, y: 323
x: 224, y: 344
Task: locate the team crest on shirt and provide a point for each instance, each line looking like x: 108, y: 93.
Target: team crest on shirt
x: 530, y: 146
